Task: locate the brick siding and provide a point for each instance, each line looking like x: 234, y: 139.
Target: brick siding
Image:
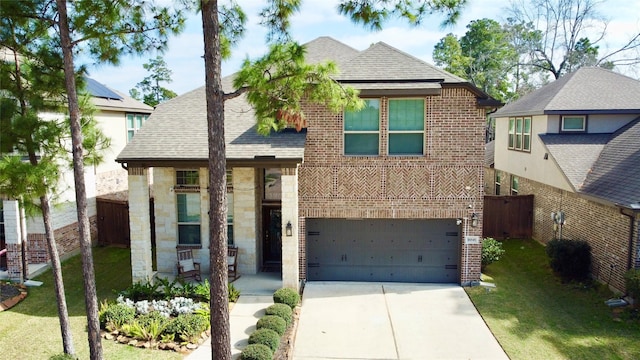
x: 67, y: 240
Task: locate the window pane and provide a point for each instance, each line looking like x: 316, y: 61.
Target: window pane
x: 189, y: 234
x: 188, y: 208
x: 573, y: 123
x: 361, y: 144
x: 526, y: 139
x: 130, y: 134
x: 518, y: 141
x: 511, y: 125
x: 187, y: 177
x: 519, y: 125
x: 367, y: 119
x: 406, y: 114
x: 273, y: 184
x: 130, y: 121
x: 405, y: 144
x: 527, y: 126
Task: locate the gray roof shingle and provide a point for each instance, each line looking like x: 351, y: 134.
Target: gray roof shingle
x: 587, y: 90
x: 616, y: 173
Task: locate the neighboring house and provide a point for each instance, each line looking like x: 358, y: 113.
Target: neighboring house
x: 575, y: 145
x: 119, y: 117
x: 384, y: 194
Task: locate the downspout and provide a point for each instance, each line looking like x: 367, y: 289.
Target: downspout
x: 632, y: 212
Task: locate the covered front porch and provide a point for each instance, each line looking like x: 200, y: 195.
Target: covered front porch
x: 262, y: 220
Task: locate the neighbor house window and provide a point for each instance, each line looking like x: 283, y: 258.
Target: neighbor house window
x: 229, y: 207
x: 188, y: 207
x: 573, y: 124
x: 498, y: 182
x: 406, y: 126
x: 520, y: 134
x: 515, y: 185
x: 362, y: 129
x: 134, y: 123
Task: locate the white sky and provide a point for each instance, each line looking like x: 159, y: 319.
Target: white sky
x: 320, y: 18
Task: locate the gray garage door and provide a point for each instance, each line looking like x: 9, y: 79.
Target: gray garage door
x: 383, y: 250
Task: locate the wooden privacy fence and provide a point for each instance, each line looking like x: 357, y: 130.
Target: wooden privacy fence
x: 507, y: 217
x: 113, y: 222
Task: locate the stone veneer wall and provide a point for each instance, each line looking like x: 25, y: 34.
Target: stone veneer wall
x: 603, y: 226
x: 111, y: 182
x: 442, y: 184
x: 165, y: 219
x: 245, y: 219
x: 67, y: 240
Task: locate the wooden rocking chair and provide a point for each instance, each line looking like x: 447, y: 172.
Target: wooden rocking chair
x: 187, y: 267
x: 232, y: 260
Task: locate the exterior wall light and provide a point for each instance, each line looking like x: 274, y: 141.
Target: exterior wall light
x: 288, y: 229
x: 474, y: 220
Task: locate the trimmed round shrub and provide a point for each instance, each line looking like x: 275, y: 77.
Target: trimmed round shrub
x: 491, y: 251
x: 571, y: 259
x: 266, y: 337
x: 273, y: 322
x: 632, y: 283
x: 117, y: 315
x: 256, y: 352
x: 286, y: 296
x: 281, y: 310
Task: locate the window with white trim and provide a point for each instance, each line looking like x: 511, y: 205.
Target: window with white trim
x: 230, y: 207
x: 573, y: 124
x: 406, y: 126
x: 134, y: 123
x: 515, y: 185
x: 362, y: 129
x: 520, y: 134
x: 498, y: 182
x: 188, y: 207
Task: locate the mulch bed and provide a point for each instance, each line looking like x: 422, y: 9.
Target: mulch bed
x: 11, y: 294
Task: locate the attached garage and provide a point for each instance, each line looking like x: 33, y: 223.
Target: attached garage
x: 383, y: 250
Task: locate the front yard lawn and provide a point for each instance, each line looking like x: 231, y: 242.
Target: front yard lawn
x: 534, y: 316
x: 31, y: 330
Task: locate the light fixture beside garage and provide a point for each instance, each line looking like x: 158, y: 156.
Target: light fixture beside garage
x: 288, y: 231
x: 474, y: 220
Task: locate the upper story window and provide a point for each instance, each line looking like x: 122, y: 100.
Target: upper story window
x: 134, y: 123
x: 520, y: 134
x: 406, y: 126
x: 573, y: 124
x: 362, y: 129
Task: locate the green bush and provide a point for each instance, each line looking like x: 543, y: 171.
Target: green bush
x: 62, y: 356
x: 153, y: 317
x: 632, y: 282
x: 113, y: 316
x: 286, y: 296
x: 281, y: 310
x: 256, y: 352
x: 234, y: 293
x: 266, y: 337
x: 571, y: 259
x: 491, y: 251
x: 143, y: 291
x: 273, y: 322
x: 187, y: 327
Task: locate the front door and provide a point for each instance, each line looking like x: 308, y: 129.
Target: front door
x: 272, y: 237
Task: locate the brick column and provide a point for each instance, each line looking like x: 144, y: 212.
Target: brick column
x: 245, y: 219
x: 290, y: 245
x: 140, y: 225
x: 13, y: 238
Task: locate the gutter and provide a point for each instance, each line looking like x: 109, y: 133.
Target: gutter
x: 632, y: 211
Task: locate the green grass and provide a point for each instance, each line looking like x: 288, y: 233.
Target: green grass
x: 534, y: 316
x: 31, y: 329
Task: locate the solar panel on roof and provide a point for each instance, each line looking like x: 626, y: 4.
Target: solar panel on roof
x: 98, y: 90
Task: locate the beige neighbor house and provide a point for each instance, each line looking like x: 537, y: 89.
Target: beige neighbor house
x: 119, y: 117
x: 384, y: 194
x: 575, y: 145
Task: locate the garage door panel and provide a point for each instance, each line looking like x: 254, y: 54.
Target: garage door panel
x: 383, y: 250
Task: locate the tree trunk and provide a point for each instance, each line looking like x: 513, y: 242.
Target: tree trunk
x: 220, y: 331
x: 56, y: 268
x: 90, y: 296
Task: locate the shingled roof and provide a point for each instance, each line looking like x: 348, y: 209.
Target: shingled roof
x: 588, y: 90
x: 177, y: 129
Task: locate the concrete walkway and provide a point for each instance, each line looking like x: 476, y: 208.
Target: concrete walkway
x: 344, y: 320
x: 256, y: 294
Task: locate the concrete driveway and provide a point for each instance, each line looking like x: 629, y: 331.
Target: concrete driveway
x: 351, y: 320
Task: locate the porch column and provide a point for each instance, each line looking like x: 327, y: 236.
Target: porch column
x: 290, y: 244
x: 13, y: 239
x: 245, y: 219
x: 140, y: 225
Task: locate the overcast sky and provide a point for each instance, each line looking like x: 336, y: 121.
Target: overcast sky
x: 320, y: 18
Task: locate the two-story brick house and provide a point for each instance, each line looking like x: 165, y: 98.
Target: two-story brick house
x: 390, y: 193
x: 575, y: 145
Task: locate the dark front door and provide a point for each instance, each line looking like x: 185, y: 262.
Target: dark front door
x: 272, y: 236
